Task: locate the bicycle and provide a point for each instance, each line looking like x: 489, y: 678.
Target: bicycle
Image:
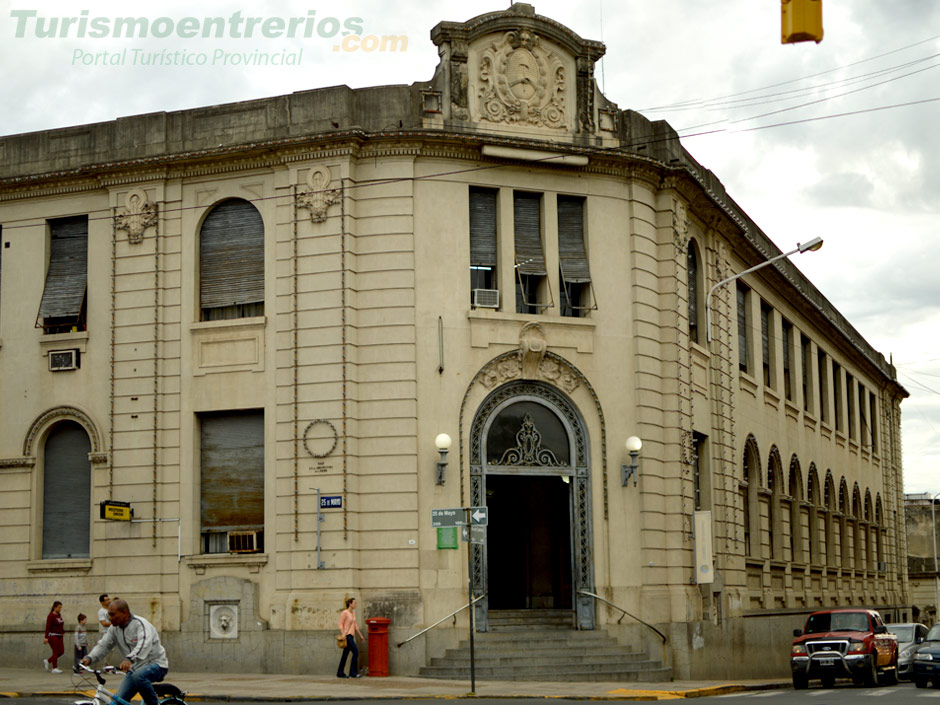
x: 167, y: 693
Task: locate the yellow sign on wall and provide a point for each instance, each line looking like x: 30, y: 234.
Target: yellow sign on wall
x: 116, y: 511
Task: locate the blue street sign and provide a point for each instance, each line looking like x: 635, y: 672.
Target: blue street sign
x: 331, y: 502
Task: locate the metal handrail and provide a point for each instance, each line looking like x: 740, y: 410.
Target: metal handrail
x: 442, y: 619
x: 611, y: 604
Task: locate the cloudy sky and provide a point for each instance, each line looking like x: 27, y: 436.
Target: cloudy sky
x: 837, y: 139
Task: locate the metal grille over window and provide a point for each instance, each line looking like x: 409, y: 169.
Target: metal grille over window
x: 231, y: 261
x: 63, y: 298
x: 232, y: 482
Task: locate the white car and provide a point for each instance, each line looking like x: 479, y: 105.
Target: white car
x: 910, y: 637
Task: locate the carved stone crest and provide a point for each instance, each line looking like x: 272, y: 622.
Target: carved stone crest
x: 531, y: 360
x: 522, y: 83
x: 139, y: 214
x: 320, y: 197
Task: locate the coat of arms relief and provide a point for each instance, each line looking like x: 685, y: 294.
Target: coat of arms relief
x: 521, y: 82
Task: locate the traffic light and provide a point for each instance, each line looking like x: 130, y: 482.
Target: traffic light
x: 801, y: 21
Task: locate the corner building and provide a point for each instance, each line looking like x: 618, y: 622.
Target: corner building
x: 250, y: 322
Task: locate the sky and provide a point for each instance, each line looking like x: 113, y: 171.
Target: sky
x: 837, y: 139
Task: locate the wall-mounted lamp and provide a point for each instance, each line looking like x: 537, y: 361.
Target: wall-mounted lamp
x: 634, y: 445
x: 443, y: 444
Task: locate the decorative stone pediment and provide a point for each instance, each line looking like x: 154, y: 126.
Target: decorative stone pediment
x: 520, y: 81
x: 515, y: 71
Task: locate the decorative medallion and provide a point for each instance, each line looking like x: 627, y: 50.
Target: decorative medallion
x: 522, y: 83
x: 320, y: 438
x: 320, y: 197
x: 139, y: 214
x: 531, y: 361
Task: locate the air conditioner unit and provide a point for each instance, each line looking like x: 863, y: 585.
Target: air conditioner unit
x: 60, y: 360
x: 242, y: 541
x: 486, y: 298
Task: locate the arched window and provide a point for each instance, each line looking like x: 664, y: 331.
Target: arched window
x: 871, y: 532
x: 814, y: 499
x: 829, y: 500
x: 879, y: 531
x: 847, y: 560
x: 858, y: 529
x: 695, y: 291
x: 774, y: 516
x: 751, y: 509
x: 796, y: 511
x: 231, y: 261
x: 66, y: 492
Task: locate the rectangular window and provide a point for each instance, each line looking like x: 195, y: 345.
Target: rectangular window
x: 786, y: 331
x: 806, y: 351
x: 822, y: 371
x: 700, y: 467
x: 767, y: 343
x: 864, y: 432
x: 232, y: 481
x: 837, y: 393
x: 575, y: 274
x: 530, y: 258
x: 873, y: 421
x: 851, y: 396
x: 483, y: 280
x: 744, y: 335
x: 63, y: 306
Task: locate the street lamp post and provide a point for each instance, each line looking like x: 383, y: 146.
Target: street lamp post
x: 936, y: 573
x: 810, y: 246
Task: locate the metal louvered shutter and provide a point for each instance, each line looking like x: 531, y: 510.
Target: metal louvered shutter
x: 482, y: 227
x: 231, y: 255
x: 232, y: 471
x: 68, y: 266
x: 571, y: 254
x: 66, y: 493
x: 527, y: 227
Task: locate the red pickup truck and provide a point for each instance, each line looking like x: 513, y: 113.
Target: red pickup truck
x: 844, y: 643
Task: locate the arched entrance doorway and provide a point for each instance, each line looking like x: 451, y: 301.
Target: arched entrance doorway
x: 529, y: 464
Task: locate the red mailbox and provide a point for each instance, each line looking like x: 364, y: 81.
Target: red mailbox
x: 378, y: 645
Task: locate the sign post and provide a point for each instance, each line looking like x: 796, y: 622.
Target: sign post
x: 472, y: 521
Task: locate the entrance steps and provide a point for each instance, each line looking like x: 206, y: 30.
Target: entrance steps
x: 543, y: 645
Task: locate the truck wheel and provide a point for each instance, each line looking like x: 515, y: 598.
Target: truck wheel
x: 799, y: 681
x: 871, y: 673
x: 889, y: 677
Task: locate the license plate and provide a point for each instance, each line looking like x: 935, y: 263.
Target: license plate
x: 827, y: 662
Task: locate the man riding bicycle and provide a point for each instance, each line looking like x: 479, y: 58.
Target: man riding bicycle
x: 144, y: 660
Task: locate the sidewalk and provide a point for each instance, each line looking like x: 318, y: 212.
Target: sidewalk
x: 21, y: 682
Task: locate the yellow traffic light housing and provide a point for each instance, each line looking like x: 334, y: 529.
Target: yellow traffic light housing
x: 801, y: 21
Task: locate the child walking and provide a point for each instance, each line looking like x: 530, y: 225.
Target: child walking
x: 81, y: 642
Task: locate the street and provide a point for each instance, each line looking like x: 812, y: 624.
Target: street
x: 903, y: 694
x: 842, y: 694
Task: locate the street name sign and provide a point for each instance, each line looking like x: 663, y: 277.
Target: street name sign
x: 447, y: 517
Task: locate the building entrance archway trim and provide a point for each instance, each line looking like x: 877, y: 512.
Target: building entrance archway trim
x: 579, y: 467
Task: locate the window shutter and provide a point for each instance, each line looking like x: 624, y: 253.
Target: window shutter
x: 231, y: 255
x: 66, y: 500
x: 742, y: 328
x: 482, y: 228
x: 571, y: 253
x: 527, y: 226
x: 68, y: 266
x: 232, y: 465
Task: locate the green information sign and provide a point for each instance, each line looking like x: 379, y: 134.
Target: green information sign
x: 447, y: 537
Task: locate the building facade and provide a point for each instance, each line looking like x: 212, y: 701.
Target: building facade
x: 250, y: 323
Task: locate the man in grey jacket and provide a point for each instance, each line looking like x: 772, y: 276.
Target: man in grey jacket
x: 144, y: 661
